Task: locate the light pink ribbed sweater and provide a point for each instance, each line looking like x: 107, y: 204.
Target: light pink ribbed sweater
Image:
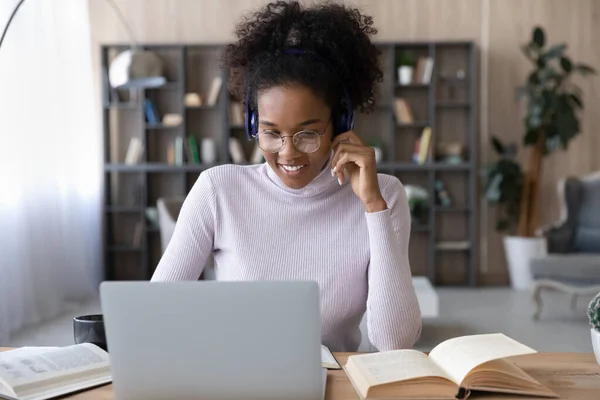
x: 259, y: 229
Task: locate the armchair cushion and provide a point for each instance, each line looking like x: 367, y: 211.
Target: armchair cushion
x: 577, y: 269
x: 587, y: 235
x: 579, y: 231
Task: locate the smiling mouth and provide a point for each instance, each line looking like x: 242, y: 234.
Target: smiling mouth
x: 292, y: 169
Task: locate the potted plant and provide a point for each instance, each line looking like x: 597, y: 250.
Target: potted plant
x: 552, y: 103
x: 594, y: 318
x: 406, y: 65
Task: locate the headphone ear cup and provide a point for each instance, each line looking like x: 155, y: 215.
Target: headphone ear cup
x: 251, y: 123
x: 343, y: 122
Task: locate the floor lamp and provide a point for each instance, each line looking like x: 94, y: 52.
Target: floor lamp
x: 131, y: 69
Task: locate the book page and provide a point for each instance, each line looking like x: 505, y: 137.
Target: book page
x: 327, y: 359
x: 396, y: 365
x: 460, y: 355
x: 29, y: 365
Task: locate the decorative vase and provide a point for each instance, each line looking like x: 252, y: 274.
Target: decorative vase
x: 208, y: 151
x: 596, y: 344
x: 519, y: 251
x: 405, y: 74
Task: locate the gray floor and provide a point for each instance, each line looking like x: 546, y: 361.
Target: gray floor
x: 462, y: 312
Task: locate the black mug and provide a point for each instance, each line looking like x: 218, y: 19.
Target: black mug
x: 90, y: 329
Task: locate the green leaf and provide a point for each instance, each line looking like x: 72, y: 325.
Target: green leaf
x: 533, y: 78
x: 540, y: 62
x: 528, y: 51
x: 497, y: 144
x: 584, y: 69
x: 538, y: 37
x: 530, y: 137
x: 575, y: 99
x: 566, y: 64
x: 522, y: 91
x: 555, y: 51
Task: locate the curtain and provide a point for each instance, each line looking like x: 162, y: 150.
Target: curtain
x: 50, y: 163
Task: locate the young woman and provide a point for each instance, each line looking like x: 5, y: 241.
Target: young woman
x: 316, y: 209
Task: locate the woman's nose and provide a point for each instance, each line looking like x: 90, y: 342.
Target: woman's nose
x: 288, y: 150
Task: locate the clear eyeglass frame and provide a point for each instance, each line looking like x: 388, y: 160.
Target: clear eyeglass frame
x: 296, y: 137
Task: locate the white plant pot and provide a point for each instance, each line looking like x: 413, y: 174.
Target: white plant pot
x: 596, y: 344
x: 519, y: 252
x: 378, y: 154
x: 405, y: 75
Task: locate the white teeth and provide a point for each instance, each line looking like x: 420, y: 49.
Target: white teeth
x: 292, y: 167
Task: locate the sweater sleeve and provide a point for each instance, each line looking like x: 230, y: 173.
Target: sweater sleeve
x: 393, y: 313
x: 193, y: 237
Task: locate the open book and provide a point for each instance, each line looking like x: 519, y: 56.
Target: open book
x: 38, y: 373
x: 453, y: 369
x: 328, y: 361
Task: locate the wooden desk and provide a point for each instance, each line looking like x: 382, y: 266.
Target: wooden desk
x: 574, y: 376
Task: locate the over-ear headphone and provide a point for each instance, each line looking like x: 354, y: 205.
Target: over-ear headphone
x: 343, y: 119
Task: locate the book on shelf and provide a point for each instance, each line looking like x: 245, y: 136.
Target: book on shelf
x: 39, y: 373
x: 403, y: 112
x: 134, y: 151
x: 215, y: 89
x: 423, y: 71
x: 193, y: 154
x: 138, y: 231
x: 152, y: 116
x: 179, y: 155
x: 236, y: 114
x: 453, y: 369
x: 423, y: 147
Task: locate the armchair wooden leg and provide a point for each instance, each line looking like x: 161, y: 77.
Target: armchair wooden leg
x: 537, y: 297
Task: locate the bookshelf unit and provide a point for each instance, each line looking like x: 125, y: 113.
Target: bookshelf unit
x: 442, y: 245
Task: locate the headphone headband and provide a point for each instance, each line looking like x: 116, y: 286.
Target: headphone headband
x: 344, y: 123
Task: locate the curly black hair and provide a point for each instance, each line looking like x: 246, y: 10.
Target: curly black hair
x: 336, y: 33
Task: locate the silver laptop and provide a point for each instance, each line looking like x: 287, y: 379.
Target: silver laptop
x: 214, y: 340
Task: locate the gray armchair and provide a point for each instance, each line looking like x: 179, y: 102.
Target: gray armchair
x: 572, y: 264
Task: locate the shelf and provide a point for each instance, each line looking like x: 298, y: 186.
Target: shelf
x: 451, y: 104
x: 407, y: 166
x: 167, y: 86
x: 452, y: 167
x: 122, y: 106
x: 123, y: 209
x: 419, y: 228
x: 123, y: 248
x: 421, y: 124
x: 453, y: 209
x: 453, y: 246
x: 191, y: 108
x: 162, y: 126
x: 157, y: 167
x: 413, y: 86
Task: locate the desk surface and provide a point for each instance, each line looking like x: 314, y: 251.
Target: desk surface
x: 574, y: 376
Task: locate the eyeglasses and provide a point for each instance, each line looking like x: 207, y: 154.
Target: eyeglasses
x: 306, y: 141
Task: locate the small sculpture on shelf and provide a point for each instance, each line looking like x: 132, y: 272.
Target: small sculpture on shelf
x: 192, y: 100
x: 450, y: 153
x: 442, y: 197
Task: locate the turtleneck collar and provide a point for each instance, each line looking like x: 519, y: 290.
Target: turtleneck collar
x: 318, y: 185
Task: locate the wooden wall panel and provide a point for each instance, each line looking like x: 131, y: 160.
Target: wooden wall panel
x: 506, y: 23
x: 574, y: 22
